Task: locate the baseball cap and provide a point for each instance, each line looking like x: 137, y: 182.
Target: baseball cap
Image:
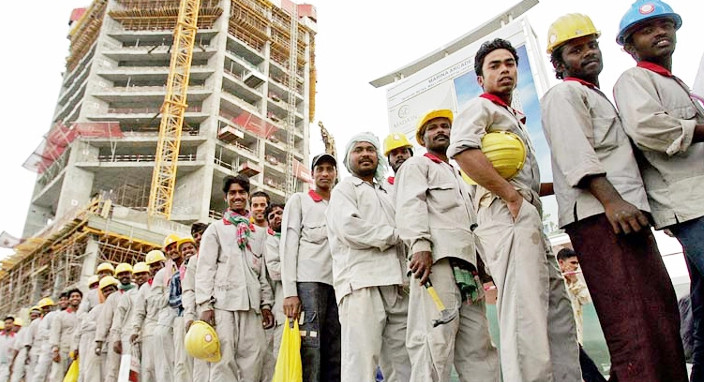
x: 322, y: 157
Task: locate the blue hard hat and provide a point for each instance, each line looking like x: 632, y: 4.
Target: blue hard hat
x: 643, y: 10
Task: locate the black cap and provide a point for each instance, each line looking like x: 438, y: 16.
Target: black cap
x: 322, y: 157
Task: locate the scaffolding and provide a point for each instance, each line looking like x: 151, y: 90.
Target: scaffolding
x: 138, y: 15
x: 53, y: 260
x: 84, y: 34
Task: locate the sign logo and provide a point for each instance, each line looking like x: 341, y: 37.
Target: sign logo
x: 403, y: 111
x: 646, y: 8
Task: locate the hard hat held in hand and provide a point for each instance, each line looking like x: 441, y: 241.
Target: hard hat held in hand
x: 643, y: 10
x: 506, y: 152
x: 202, y: 342
x: 395, y: 141
x: 570, y: 27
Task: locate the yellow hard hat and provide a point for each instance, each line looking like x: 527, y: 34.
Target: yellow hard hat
x: 18, y: 322
x: 170, y: 239
x: 154, y: 256
x: 46, y: 301
x: 569, y: 27
x: 394, y: 141
x: 140, y: 267
x: 202, y: 342
x: 123, y: 267
x: 440, y: 113
x: 184, y: 240
x: 108, y: 280
x: 93, y: 280
x: 105, y: 267
x: 506, y: 152
x: 2, y: 325
x: 35, y: 308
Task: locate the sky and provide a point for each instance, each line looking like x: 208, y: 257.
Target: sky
x: 358, y: 41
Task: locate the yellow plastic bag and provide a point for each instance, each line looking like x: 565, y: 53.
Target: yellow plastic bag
x: 72, y: 373
x: 288, y: 363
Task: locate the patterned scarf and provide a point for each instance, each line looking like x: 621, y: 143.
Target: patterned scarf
x: 273, y: 233
x: 243, y: 225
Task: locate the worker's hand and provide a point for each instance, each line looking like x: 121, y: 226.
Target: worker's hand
x: 292, y: 307
x: 98, y: 348
x: 514, y: 204
x: 188, y: 324
x: 208, y: 316
x: 625, y: 217
x: 117, y: 347
x: 134, y: 338
x: 420, y: 265
x: 55, y: 355
x: 267, y: 319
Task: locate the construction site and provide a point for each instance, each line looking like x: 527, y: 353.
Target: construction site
x: 151, y: 116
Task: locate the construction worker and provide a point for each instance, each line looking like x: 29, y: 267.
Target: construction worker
x: 183, y: 363
x: 23, y: 341
x: 666, y: 125
x: 164, y: 333
x: 23, y: 366
x: 538, y: 337
x: 397, y: 149
x: 144, y: 322
x: 7, y: 339
x: 441, y: 241
x: 92, y: 297
x: 229, y: 291
x: 367, y: 275
x: 41, y: 344
x: 101, y: 342
x: 306, y: 273
x: 122, y: 317
x: 600, y: 194
x: 61, y: 338
x: 259, y: 201
x: 201, y: 368
x: 274, y: 214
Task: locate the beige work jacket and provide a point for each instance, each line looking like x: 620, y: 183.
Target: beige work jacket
x: 146, y: 310
x: 482, y: 116
x: 363, y: 239
x: 304, y: 250
x: 122, y: 315
x: 659, y: 116
x: 224, y: 278
x: 62, y: 330
x: 586, y: 138
x: 272, y: 257
x: 188, y: 290
x: 434, y: 210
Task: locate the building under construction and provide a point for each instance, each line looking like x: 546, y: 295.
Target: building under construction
x: 250, y: 99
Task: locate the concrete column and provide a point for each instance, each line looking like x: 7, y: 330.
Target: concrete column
x: 90, y: 260
x: 77, y: 185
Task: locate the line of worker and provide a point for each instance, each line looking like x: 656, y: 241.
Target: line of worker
x: 384, y: 274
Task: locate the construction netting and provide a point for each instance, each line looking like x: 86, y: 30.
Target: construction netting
x: 55, y: 143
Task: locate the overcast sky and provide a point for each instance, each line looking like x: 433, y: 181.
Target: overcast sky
x: 357, y: 42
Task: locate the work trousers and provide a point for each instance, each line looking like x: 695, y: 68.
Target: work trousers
x: 634, y: 299
x: 89, y: 364
x: 242, y: 346
x: 19, y: 368
x: 112, y: 360
x: 273, y: 335
x: 164, y: 359
x: 368, y: 317
x: 691, y: 236
x: 201, y: 369
x: 32, y: 365
x: 320, y: 332
x: 536, y: 322
x: 4, y: 371
x: 150, y: 345
x: 59, y: 369
x: 183, y: 362
x: 126, y: 349
x: 465, y: 341
x: 44, y: 362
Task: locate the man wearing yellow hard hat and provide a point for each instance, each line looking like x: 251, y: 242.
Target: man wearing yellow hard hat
x: 201, y: 368
x: 23, y: 345
x: 397, y: 149
x: 665, y: 122
x: 229, y: 293
x: 103, y: 338
x: 306, y: 272
x: 434, y: 215
x: 600, y: 194
x: 7, y: 339
x: 538, y: 336
x: 144, y: 321
x: 92, y: 359
x: 40, y: 353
